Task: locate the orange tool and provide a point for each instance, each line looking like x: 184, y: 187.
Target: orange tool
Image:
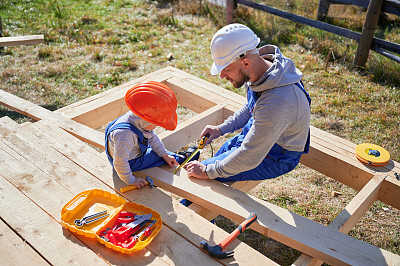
x: 149, y: 181
x: 216, y: 251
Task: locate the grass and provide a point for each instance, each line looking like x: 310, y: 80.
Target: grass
x: 93, y: 46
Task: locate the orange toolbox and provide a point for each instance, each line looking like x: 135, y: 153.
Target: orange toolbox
x: 123, y: 226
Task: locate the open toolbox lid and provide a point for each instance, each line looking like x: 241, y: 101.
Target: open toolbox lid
x: 95, y: 201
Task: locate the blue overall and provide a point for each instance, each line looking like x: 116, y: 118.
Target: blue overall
x: 148, y: 157
x: 278, y: 160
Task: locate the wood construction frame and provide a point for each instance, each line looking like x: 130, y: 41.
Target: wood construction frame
x: 329, y: 154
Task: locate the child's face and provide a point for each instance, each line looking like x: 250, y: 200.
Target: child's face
x: 150, y: 127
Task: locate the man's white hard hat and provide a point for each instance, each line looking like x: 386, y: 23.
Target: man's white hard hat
x: 229, y: 42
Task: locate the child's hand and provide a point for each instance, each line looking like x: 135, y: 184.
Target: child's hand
x: 139, y: 183
x: 170, y: 160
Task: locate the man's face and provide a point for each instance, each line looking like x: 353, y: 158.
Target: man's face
x: 234, y: 73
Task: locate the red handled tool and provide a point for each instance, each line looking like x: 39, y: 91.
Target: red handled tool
x: 133, y: 240
x: 125, y: 231
x: 216, y: 251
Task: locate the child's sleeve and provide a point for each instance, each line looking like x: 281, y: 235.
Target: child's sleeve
x: 156, y: 144
x: 123, y: 147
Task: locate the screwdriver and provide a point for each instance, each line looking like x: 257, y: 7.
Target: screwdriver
x: 202, y: 144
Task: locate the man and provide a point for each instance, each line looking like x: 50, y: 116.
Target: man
x: 274, y: 121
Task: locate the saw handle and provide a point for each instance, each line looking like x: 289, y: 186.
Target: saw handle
x: 243, y: 226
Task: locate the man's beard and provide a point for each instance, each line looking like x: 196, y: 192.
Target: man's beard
x: 242, y: 79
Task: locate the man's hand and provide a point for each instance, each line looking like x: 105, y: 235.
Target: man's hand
x: 170, y: 160
x: 196, y: 169
x: 213, y: 131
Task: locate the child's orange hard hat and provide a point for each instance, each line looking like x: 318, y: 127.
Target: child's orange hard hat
x: 154, y: 102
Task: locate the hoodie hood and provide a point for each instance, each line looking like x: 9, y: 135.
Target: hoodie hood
x: 282, y: 72
x: 138, y: 122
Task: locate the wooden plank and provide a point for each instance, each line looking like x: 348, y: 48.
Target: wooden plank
x: 53, y: 181
x: 324, y: 156
x: 190, y: 130
x: 189, y: 95
x: 351, y: 214
x: 39, y: 229
x: 21, y: 40
x: 275, y: 222
x: 37, y: 113
x: 16, y: 251
x: 212, y: 90
x: 179, y: 218
x: 350, y: 172
x: 347, y: 148
x: 104, y: 107
x: 357, y: 207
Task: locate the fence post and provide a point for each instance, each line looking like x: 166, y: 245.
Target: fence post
x: 367, y: 35
x: 230, y: 8
x: 323, y: 9
x: 1, y: 35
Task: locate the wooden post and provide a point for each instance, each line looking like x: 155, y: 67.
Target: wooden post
x: 230, y: 8
x: 328, y: 58
x: 1, y: 35
x: 323, y: 9
x: 370, y: 25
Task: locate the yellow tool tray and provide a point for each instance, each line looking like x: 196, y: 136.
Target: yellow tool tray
x: 94, y: 201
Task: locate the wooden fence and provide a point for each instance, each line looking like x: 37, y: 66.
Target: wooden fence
x: 366, y: 39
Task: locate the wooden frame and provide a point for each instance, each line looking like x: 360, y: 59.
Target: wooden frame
x: 328, y: 154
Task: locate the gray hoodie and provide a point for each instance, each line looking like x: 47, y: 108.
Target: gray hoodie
x: 281, y: 115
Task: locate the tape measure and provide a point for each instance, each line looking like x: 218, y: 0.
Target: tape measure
x: 372, y: 154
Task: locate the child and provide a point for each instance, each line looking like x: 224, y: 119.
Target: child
x: 130, y: 141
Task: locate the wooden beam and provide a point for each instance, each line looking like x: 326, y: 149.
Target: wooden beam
x: 278, y: 223
x: 332, y: 158
x: 275, y: 222
x: 39, y: 229
x: 104, y: 107
x: 190, y: 130
x: 329, y: 154
x: 21, y: 40
x: 36, y: 112
x: 351, y: 214
x: 46, y: 169
x: 174, y: 215
x: 189, y: 95
x: 15, y: 251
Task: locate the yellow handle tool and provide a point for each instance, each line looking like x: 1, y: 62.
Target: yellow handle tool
x: 148, y: 180
x: 201, y: 146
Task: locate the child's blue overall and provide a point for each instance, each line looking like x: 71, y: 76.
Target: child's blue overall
x: 148, y: 157
x: 278, y: 160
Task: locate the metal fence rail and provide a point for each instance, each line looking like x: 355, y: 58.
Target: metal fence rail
x: 388, y: 49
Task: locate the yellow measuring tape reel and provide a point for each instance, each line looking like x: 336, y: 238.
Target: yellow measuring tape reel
x: 372, y: 154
